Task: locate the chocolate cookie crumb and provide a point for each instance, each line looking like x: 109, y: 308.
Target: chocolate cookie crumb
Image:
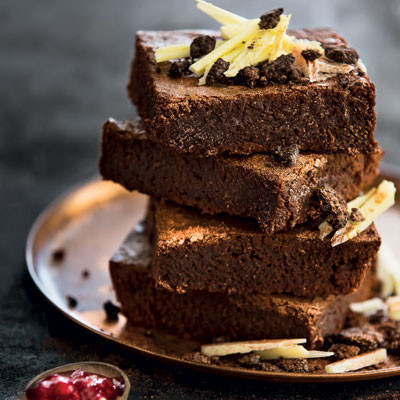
x: 58, y: 256
x: 331, y: 203
x: 111, y: 310
x: 310, y: 54
x: 282, y: 70
x: 366, y: 338
x: 270, y: 19
x: 179, y: 68
x: 249, y: 76
x: 202, y: 45
x: 249, y: 359
x: 72, y: 302
x: 356, y: 215
x: 85, y: 274
x: 287, y: 155
x: 342, y: 54
x: 201, y: 358
x: 343, y: 351
x: 216, y: 73
x: 268, y: 367
x: 391, y: 331
x: 293, y: 365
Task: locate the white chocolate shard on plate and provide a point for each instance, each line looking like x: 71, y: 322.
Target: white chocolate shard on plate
x: 382, y: 199
x: 220, y: 15
x: 225, y: 349
x: 388, y: 271
x: 368, y: 307
x: 292, y: 352
x: 357, y: 362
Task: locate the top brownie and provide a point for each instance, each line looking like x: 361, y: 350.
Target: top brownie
x: 324, y: 116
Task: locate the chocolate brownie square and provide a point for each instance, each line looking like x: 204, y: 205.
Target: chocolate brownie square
x: 328, y: 116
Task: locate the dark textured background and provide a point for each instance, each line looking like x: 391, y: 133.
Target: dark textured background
x: 63, y: 70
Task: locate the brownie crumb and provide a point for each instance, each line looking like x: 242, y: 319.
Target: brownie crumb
x: 85, y: 274
x: 282, y: 70
x: 343, y: 351
x: 310, y: 54
x: 356, y: 215
x: 366, y: 338
x: 249, y: 76
x: 250, y: 359
x: 293, y: 365
x: 72, y: 302
x: 287, y: 155
x: 270, y: 19
x: 179, y: 68
x: 201, y: 358
x: 58, y: 256
x: 268, y: 367
x: 331, y: 203
x: 202, y: 45
x: 342, y: 54
x: 111, y: 310
x: 216, y: 73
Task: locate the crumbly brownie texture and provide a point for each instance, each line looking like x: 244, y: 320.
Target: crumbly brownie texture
x: 329, y: 116
x: 223, y: 254
x: 259, y: 186
x: 204, y: 316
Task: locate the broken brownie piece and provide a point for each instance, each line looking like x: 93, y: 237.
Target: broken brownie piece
x: 276, y: 190
x: 223, y: 254
x: 203, y: 315
x: 320, y: 116
x: 367, y: 338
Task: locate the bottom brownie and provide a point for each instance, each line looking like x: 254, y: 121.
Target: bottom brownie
x: 205, y: 316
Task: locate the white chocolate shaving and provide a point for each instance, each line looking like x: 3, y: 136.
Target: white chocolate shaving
x: 388, y: 271
x: 357, y: 362
x: 172, y: 52
x: 292, y: 352
x: 220, y: 15
x: 368, y: 307
x: 225, y: 349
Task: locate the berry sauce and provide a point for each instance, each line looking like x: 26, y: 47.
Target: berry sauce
x: 76, y: 385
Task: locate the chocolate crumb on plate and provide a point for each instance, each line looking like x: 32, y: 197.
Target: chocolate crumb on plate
x: 249, y: 359
x: 270, y: 19
x: 58, y: 255
x: 367, y: 338
x: 202, y: 45
x: 85, y: 274
x: 268, y: 367
x: 342, y: 54
x: 390, y: 329
x: 111, y: 310
x: 310, y: 54
x: 72, y: 302
x: 343, y: 351
x: 293, y: 365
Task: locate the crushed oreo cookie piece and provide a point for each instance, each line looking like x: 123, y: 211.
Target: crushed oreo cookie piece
x: 249, y: 359
x: 179, y: 68
x: 366, y: 338
x: 58, y: 256
x: 282, y: 70
x: 390, y: 329
x: 293, y: 365
x: 331, y: 203
x: 342, y: 54
x: 72, y: 302
x: 270, y: 19
x: 268, y: 367
x: 249, y: 76
x: 310, y: 54
x: 216, y: 73
x: 343, y: 351
x: 287, y: 155
x: 111, y: 310
x: 202, y: 45
x: 356, y: 215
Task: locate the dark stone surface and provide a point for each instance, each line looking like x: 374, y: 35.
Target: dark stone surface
x: 63, y: 69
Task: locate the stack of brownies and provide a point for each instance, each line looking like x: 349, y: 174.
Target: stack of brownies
x: 241, y: 173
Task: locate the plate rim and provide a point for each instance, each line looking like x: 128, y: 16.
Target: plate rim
x: 391, y: 170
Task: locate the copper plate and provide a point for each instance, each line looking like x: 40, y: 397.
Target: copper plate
x: 89, y: 223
